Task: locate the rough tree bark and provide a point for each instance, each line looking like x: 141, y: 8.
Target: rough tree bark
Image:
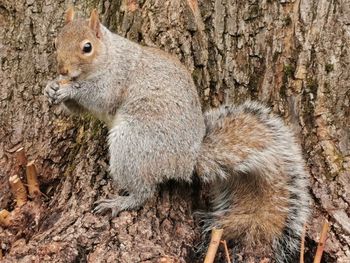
x: 293, y: 55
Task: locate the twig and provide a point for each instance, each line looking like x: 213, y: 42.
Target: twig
x: 321, y: 243
x: 302, y: 245
x: 213, y: 246
x: 5, y: 218
x: 18, y: 190
x: 32, y: 180
x: 226, y: 251
x: 21, y: 157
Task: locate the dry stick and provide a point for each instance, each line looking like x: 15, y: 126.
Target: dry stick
x: 322, y: 242
x: 5, y: 218
x: 18, y: 190
x: 302, y: 246
x: 213, y: 246
x: 226, y: 251
x: 21, y: 157
x: 32, y: 180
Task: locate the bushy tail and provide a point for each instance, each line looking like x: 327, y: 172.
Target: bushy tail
x: 258, y: 180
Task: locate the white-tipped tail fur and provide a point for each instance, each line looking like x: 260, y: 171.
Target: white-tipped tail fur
x: 260, y: 185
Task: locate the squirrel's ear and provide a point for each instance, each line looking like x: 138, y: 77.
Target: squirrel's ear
x: 69, y: 15
x: 94, y: 23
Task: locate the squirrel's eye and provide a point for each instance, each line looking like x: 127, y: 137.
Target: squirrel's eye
x: 87, y: 47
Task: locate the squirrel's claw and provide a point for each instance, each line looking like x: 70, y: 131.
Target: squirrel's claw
x: 105, y: 204
x: 57, y: 94
x: 50, y: 91
x: 52, y: 86
x: 63, y: 94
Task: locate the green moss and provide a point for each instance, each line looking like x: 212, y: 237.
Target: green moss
x: 71, y: 159
x: 97, y: 128
x: 329, y: 176
x: 89, y: 126
x: 196, y: 74
x: 283, y: 91
x: 86, y: 118
x: 289, y: 70
x: 327, y: 88
x: 312, y: 85
x: 254, y: 10
x: 69, y: 170
x: 275, y: 56
x: 253, y: 85
x: 287, y: 21
x: 328, y: 67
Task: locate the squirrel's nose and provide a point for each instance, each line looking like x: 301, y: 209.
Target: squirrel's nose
x: 62, y: 70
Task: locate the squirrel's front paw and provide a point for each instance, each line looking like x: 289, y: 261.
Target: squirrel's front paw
x: 50, y: 91
x: 57, y: 93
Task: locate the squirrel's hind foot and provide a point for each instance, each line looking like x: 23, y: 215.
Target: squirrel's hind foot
x: 104, y: 205
x: 117, y: 204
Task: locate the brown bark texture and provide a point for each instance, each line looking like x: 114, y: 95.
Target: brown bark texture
x: 293, y: 55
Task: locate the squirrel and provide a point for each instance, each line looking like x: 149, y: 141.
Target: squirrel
x: 157, y: 132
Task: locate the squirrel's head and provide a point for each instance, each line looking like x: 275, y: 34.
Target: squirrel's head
x: 78, y: 45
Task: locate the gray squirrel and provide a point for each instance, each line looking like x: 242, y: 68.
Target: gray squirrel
x: 157, y: 132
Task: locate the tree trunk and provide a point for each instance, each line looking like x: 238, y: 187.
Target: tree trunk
x: 293, y: 55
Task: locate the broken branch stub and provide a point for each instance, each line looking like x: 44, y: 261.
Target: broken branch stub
x: 32, y: 180
x: 5, y: 218
x: 214, y: 244
x: 18, y: 190
x: 322, y: 242
x: 21, y: 157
